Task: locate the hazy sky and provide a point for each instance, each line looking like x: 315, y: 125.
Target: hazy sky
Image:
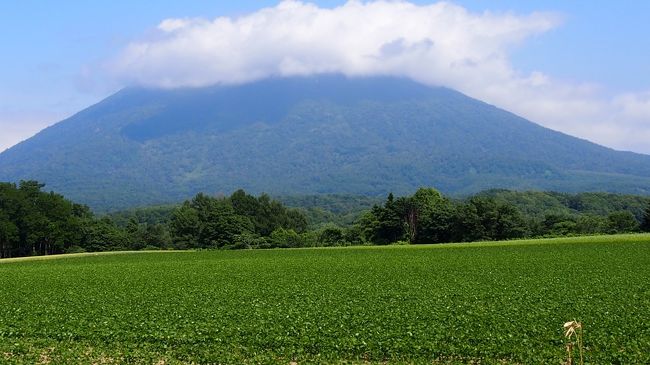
x: 581, y: 67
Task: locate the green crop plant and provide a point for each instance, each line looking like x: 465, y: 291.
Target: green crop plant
x: 488, y: 303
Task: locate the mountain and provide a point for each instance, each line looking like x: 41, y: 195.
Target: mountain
x: 306, y: 135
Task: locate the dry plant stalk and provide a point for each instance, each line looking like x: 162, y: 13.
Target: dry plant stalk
x: 573, y: 329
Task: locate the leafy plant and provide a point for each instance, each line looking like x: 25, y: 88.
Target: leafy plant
x: 488, y: 303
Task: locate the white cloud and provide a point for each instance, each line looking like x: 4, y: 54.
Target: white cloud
x: 437, y: 44
x: 634, y: 105
x: 171, y: 25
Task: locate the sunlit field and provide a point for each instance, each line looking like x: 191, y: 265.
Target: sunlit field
x: 501, y: 302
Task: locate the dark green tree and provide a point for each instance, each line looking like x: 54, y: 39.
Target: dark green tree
x: 390, y: 222
x: 486, y: 218
x: 8, y: 235
x: 645, y: 222
x: 207, y: 222
x: 622, y: 222
x: 185, y: 227
x: 267, y: 214
x: 285, y: 238
x: 331, y: 236
x: 104, y: 235
x: 431, y: 221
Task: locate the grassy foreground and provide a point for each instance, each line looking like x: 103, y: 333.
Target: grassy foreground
x: 489, y: 302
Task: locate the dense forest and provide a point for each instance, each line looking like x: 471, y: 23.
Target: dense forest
x: 34, y: 222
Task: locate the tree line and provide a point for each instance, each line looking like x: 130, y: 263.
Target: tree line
x: 429, y: 217
x: 34, y: 222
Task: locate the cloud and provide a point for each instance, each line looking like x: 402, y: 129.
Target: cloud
x: 438, y: 44
x: 634, y: 105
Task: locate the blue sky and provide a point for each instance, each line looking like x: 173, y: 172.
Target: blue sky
x: 54, y: 55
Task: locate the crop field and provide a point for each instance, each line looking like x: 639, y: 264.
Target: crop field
x: 458, y: 303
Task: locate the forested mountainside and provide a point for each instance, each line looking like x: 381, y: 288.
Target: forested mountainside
x: 311, y: 135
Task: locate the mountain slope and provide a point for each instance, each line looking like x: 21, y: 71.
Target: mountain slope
x: 325, y: 134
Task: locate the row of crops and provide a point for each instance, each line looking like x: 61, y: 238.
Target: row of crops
x: 497, y: 303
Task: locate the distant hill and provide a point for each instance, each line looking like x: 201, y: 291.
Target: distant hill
x: 311, y: 135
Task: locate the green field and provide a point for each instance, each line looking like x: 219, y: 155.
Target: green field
x: 457, y: 303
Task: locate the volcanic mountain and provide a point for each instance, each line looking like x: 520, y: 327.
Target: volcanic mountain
x: 308, y: 135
